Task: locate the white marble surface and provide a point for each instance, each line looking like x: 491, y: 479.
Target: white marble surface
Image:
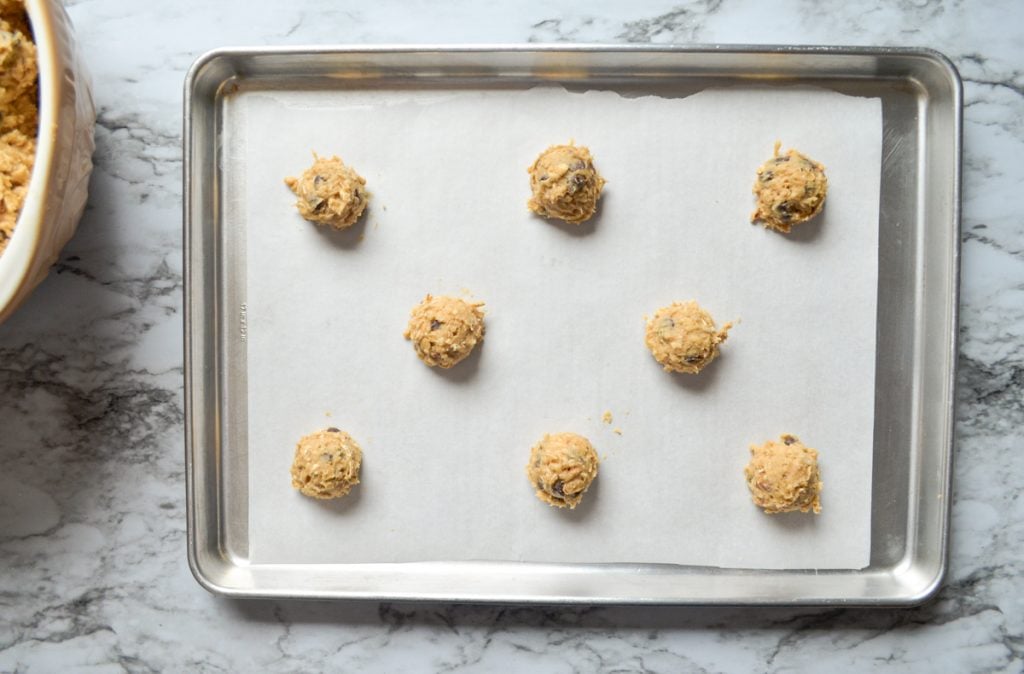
x: 93, y: 574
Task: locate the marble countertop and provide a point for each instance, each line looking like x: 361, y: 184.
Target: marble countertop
x: 93, y: 573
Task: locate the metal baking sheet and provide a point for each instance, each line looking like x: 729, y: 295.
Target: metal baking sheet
x: 917, y: 290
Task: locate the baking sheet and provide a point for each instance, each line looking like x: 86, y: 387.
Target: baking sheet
x: 444, y: 452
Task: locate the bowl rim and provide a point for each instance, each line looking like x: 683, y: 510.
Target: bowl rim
x: 16, y: 262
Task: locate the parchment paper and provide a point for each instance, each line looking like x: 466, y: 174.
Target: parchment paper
x: 445, y: 452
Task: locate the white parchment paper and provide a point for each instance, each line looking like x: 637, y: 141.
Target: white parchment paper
x: 445, y: 452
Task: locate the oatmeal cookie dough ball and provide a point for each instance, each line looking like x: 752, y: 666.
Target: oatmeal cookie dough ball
x: 326, y: 464
x: 565, y: 184
x: 562, y: 467
x: 683, y: 337
x: 783, y: 476
x: 444, y: 330
x: 330, y: 193
x: 790, y: 189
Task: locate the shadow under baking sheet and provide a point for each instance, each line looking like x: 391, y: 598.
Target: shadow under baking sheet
x: 576, y: 624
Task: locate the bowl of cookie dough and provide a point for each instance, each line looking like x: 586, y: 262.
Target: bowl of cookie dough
x: 46, y: 143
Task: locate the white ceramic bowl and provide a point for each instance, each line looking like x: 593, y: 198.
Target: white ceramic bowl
x: 60, y: 179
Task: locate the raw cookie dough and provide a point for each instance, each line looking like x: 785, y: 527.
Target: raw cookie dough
x: 330, y: 193
x: 444, y: 330
x: 565, y: 184
x: 683, y: 337
x: 790, y: 189
x: 326, y: 464
x: 562, y: 466
x: 783, y: 476
x: 19, y: 113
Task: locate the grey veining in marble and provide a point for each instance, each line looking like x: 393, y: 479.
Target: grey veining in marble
x: 93, y: 574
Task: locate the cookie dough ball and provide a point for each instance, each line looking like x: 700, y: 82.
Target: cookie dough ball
x: 330, y: 193
x: 783, y: 476
x: 683, y: 337
x: 565, y: 184
x: 444, y: 330
x: 326, y: 464
x: 562, y: 466
x: 790, y: 189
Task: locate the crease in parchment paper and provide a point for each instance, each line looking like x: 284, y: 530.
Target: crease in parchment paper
x: 444, y: 454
